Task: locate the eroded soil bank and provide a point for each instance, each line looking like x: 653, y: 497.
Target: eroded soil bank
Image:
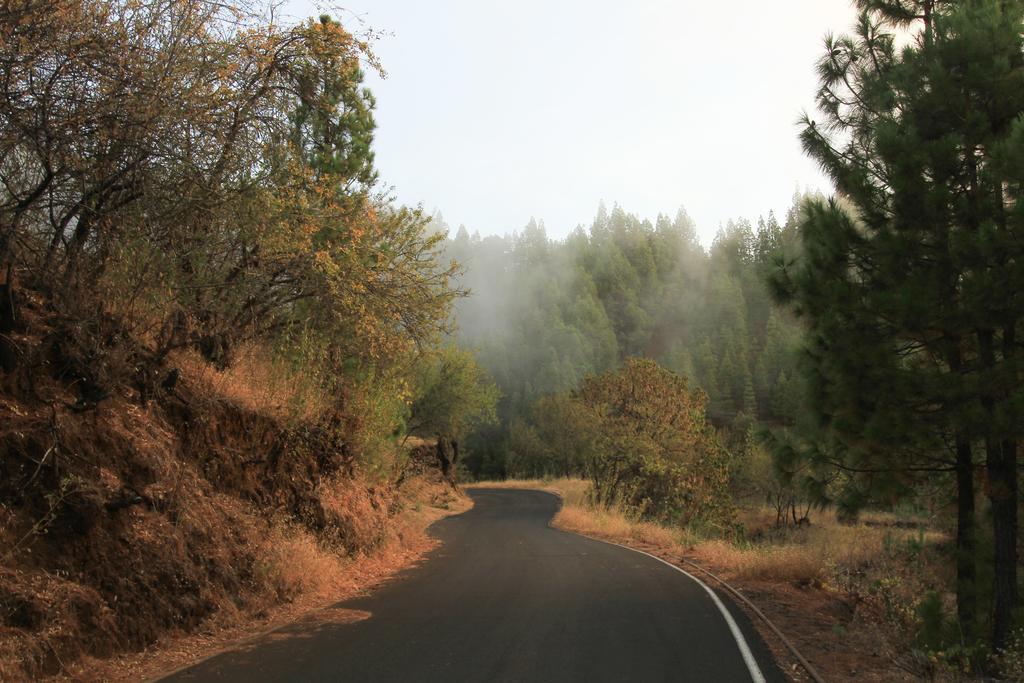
x: 160, y: 516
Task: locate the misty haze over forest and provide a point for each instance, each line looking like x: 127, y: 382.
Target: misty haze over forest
x: 543, y: 314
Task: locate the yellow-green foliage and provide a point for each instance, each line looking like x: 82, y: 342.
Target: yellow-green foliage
x: 654, y: 453
x: 453, y: 394
x: 198, y: 180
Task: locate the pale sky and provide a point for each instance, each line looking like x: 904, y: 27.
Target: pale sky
x: 496, y: 112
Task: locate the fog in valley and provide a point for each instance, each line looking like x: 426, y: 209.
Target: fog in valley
x: 542, y: 314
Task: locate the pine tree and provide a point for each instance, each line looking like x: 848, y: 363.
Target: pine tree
x: 749, y: 404
x: 911, y: 284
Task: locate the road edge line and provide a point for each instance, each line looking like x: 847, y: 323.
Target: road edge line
x: 741, y: 641
x: 811, y: 671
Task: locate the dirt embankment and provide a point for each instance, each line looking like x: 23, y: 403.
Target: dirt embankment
x: 138, y: 517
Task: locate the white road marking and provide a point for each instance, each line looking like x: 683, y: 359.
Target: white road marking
x: 748, y: 656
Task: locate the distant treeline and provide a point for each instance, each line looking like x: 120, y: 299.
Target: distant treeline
x: 544, y: 314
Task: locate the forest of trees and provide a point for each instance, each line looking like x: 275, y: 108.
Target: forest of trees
x: 544, y: 314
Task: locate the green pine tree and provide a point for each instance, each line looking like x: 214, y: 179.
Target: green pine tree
x: 911, y: 286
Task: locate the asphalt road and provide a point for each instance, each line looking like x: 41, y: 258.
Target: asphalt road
x: 506, y: 598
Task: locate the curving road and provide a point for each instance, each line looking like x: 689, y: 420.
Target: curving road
x: 506, y: 598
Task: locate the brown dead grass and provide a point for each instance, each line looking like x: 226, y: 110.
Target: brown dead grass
x: 295, y: 563
x: 309, y: 576
x: 259, y: 382
x: 610, y: 525
x: 789, y: 563
x: 157, y: 530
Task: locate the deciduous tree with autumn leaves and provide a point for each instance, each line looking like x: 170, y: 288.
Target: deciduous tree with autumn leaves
x: 652, y: 449
x: 200, y: 176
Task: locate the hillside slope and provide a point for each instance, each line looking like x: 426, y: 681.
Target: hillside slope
x: 138, y: 515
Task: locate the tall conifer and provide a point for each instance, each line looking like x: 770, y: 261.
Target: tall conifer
x: 911, y: 281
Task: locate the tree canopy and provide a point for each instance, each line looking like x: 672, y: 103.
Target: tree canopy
x: 452, y: 395
x: 545, y: 314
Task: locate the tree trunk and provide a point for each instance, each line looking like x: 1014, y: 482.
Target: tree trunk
x: 1001, y: 468
x: 966, y: 524
x: 966, y: 546
x: 76, y: 245
x: 1002, y: 479
x: 8, y: 321
x: 447, y: 457
x: 1005, y: 519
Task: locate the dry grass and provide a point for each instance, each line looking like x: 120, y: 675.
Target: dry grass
x: 613, y: 525
x: 307, y: 576
x: 259, y: 382
x: 816, y: 553
x: 802, y: 557
x: 578, y: 515
x: 296, y: 563
x: 791, y: 563
x: 358, y: 515
x: 807, y: 555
